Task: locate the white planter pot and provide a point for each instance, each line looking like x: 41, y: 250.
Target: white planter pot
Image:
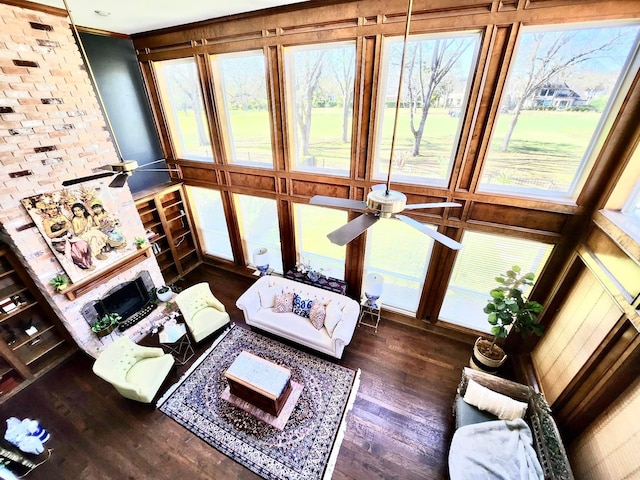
x: 166, y: 296
x: 483, y: 363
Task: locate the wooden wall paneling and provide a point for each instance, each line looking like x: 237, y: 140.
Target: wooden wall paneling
x: 373, y: 51
x: 159, y: 120
x: 495, y: 59
x: 287, y: 234
x: 457, y: 182
x: 275, y: 96
x: 606, y: 379
x: 216, y: 115
x: 197, y: 173
x: 253, y: 181
x: 524, y: 218
x: 303, y: 186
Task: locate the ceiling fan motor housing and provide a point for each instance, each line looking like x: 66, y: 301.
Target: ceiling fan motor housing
x: 126, y: 166
x: 386, y: 203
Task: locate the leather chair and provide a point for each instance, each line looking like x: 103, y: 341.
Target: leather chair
x: 203, y: 313
x: 135, y: 371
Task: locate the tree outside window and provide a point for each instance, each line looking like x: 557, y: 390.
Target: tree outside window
x: 244, y: 107
x: 560, y: 90
x: 320, y: 89
x: 434, y: 94
x: 184, y: 108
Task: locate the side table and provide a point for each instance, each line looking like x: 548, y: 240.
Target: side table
x: 175, y: 339
x: 369, y: 315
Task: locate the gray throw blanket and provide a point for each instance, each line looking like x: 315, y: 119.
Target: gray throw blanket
x: 500, y: 449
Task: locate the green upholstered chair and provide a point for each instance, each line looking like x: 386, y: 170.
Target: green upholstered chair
x: 203, y: 313
x: 135, y: 371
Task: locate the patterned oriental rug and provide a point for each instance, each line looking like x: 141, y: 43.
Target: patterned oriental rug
x: 308, y: 445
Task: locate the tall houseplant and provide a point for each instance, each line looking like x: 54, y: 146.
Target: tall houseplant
x: 508, y: 308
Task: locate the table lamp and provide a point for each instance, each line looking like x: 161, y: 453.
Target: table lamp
x: 261, y: 260
x: 373, y: 288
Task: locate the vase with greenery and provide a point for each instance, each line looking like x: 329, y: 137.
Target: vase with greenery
x: 59, y: 282
x: 507, y: 308
x: 140, y: 241
x: 105, y: 325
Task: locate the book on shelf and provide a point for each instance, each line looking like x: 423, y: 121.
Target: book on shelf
x: 7, y: 305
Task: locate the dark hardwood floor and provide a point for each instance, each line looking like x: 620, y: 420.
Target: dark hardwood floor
x: 400, y: 426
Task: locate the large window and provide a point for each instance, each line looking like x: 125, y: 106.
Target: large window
x: 312, y: 224
x: 401, y: 255
x: 210, y: 222
x: 435, y: 88
x: 245, y: 108
x: 320, y: 89
x: 258, y: 222
x: 484, y: 257
x: 184, y: 109
x: 563, y: 87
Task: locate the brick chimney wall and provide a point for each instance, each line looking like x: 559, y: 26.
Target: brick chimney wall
x: 51, y: 125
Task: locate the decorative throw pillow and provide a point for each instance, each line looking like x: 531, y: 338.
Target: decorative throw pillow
x: 317, y: 314
x: 283, y: 302
x: 332, y: 317
x: 268, y: 296
x: 301, y: 306
x: 503, y: 407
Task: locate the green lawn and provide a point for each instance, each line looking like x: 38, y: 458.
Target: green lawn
x: 546, y: 146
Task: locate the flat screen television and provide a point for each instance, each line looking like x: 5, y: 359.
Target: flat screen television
x: 126, y: 301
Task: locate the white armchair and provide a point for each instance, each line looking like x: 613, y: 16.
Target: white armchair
x: 135, y: 371
x: 203, y: 313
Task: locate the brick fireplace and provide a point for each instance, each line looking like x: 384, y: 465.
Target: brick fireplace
x: 51, y: 130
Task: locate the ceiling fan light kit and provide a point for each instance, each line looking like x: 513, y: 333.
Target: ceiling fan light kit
x: 382, y: 202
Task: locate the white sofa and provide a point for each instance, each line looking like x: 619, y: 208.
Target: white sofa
x: 294, y: 327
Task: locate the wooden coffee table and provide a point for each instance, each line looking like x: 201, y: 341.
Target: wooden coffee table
x: 259, y: 382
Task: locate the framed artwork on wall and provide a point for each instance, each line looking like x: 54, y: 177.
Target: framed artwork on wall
x: 83, y: 228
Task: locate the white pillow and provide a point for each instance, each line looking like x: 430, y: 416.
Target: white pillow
x: 503, y: 407
x: 332, y: 317
x: 268, y: 296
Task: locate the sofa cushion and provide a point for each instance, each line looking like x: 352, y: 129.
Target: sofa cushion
x: 502, y: 406
x: 301, y: 306
x: 283, y: 302
x: 317, y: 315
x: 295, y: 328
x: 332, y: 317
x: 268, y: 296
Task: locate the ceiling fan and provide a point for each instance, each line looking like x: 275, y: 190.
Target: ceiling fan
x: 125, y: 168
x: 382, y: 202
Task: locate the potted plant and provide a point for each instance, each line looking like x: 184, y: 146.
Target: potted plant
x: 105, y: 325
x: 164, y: 293
x: 59, y: 282
x: 140, y: 241
x: 508, y: 308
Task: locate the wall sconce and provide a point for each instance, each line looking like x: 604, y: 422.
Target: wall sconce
x: 261, y: 260
x: 373, y: 289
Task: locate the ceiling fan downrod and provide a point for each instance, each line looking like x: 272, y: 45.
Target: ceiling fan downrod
x: 399, y: 95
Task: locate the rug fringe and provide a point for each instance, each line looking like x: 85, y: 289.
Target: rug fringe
x: 186, y: 374
x: 333, y: 456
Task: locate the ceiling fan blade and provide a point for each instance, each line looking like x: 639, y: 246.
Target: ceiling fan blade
x: 119, y: 181
x: 351, y: 230
x: 437, y: 236
x: 75, y: 181
x: 323, y: 201
x: 416, y: 206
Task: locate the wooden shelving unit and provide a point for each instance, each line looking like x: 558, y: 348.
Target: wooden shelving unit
x: 166, y: 216
x: 32, y: 339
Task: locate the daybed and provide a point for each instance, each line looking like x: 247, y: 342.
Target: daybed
x: 258, y: 304
x: 483, y: 446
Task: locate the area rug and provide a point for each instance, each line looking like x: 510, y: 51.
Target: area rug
x: 308, y: 445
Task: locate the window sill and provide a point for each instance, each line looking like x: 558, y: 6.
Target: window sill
x: 623, y: 229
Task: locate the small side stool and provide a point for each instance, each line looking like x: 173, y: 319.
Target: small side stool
x: 175, y: 340
x: 369, y: 314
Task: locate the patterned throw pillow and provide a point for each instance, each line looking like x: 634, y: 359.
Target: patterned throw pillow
x: 301, y: 306
x: 317, y: 314
x: 284, y: 302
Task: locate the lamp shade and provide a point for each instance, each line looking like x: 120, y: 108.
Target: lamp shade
x: 373, y: 288
x: 260, y: 257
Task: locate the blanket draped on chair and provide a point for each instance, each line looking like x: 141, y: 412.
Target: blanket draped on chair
x: 500, y: 449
